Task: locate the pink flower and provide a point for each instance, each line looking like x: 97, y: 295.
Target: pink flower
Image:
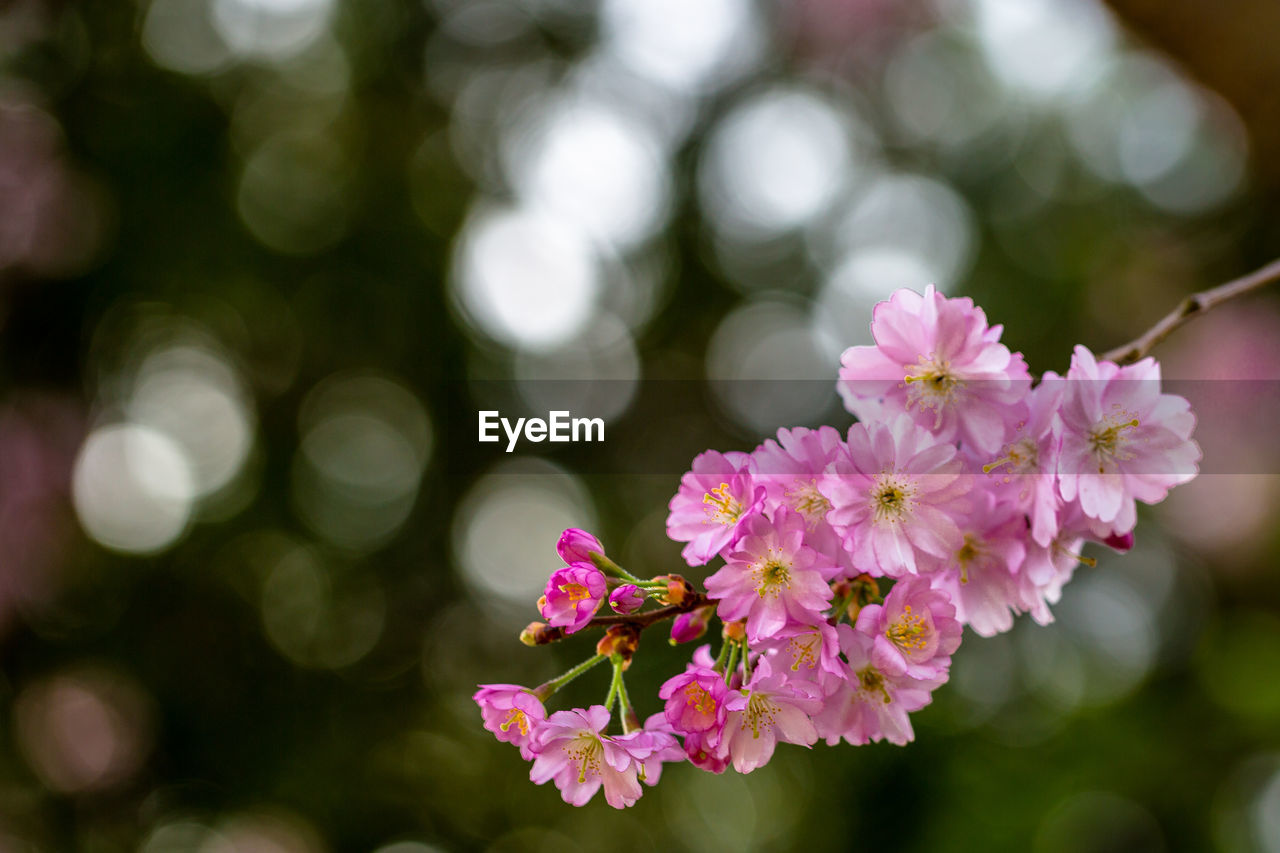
x: 979, y: 577
x: 869, y: 704
x: 768, y: 710
x: 571, y: 751
x: 936, y: 359
x: 773, y: 577
x: 714, y: 501
x: 512, y: 713
x: 895, y: 495
x: 626, y: 598
x: 573, y: 595
x: 1025, y: 471
x: 1122, y: 439
x: 914, y: 632
x: 695, y: 701
x: 577, y: 546
x: 807, y: 651
x: 790, y: 469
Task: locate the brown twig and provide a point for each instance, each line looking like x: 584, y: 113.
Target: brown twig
x: 540, y: 634
x: 1193, y: 306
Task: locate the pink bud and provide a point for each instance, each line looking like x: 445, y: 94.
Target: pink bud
x: 1119, y: 543
x: 690, y: 626
x: 576, y: 546
x: 626, y: 599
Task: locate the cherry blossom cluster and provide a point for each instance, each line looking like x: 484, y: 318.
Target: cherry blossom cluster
x: 966, y: 489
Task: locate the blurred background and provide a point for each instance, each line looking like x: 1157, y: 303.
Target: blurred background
x: 261, y: 261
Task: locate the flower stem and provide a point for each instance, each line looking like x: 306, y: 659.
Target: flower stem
x: 746, y: 661
x: 724, y: 654
x: 544, y: 691
x: 609, y: 567
x: 615, y: 685
x: 630, y: 722
x: 733, y: 660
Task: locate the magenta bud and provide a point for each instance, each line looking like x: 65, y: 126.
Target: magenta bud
x: 1119, y: 543
x: 690, y: 626
x: 576, y: 546
x: 627, y: 598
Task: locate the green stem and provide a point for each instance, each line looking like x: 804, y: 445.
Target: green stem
x: 630, y: 722
x: 544, y: 691
x: 609, y: 567
x: 724, y: 654
x: 733, y: 660
x: 746, y: 661
x: 615, y: 685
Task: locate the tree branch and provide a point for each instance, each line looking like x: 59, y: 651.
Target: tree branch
x: 1193, y: 306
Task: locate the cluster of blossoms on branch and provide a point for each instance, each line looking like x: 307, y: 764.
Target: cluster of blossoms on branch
x: 966, y: 485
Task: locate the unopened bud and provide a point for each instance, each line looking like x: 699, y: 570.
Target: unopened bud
x: 678, y: 590
x: 540, y: 634
x: 621, y: 640
x: 577, y: 546
x: 690, y: 626
x: 736, y: 631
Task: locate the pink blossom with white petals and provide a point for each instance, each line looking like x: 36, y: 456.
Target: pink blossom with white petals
x: 938, y: 360
x: 980, y: 576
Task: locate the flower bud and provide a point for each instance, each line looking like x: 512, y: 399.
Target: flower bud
x: 678, y: 589
x: 626, y: 598
x: 690, y: 626
x: 736, y: 630
x: 622, y: 640
x: 540, y: 634
x: 1119, y: 543
x: 576, y: 546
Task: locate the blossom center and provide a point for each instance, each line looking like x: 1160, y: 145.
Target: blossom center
x: 804, y: 650
x: 772, y: 574
x: 809, y: 502
x: 699, y: 699
x: 873, y: 682
x: 970, y: 552
x: 1021, y: 457
x: 721, y: 505
x: 760, y: 709
x: 575, y: 591
x: 515, y: 717
x: 910, y: 632
x: 932, y: 384
x: 892, y: 499
x: 1108, y: 440
x: 585, y: 750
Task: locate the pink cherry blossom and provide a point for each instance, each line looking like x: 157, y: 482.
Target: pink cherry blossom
x: 651, y: 747
x: 571, y: 751
x: 914, y: 632
x: 1122, y: 439
x: 695, y: 701
x: 713, y: 504
x: 806, y: 651
x: 936, y: 359
x: 772, y: 577
x: 790, y: 469
x: 512, y: 713
x: 869, y: 704
x: 573, y: 595
x: 895, y: 496
x: 980, y: 576
x: 768, y: 710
